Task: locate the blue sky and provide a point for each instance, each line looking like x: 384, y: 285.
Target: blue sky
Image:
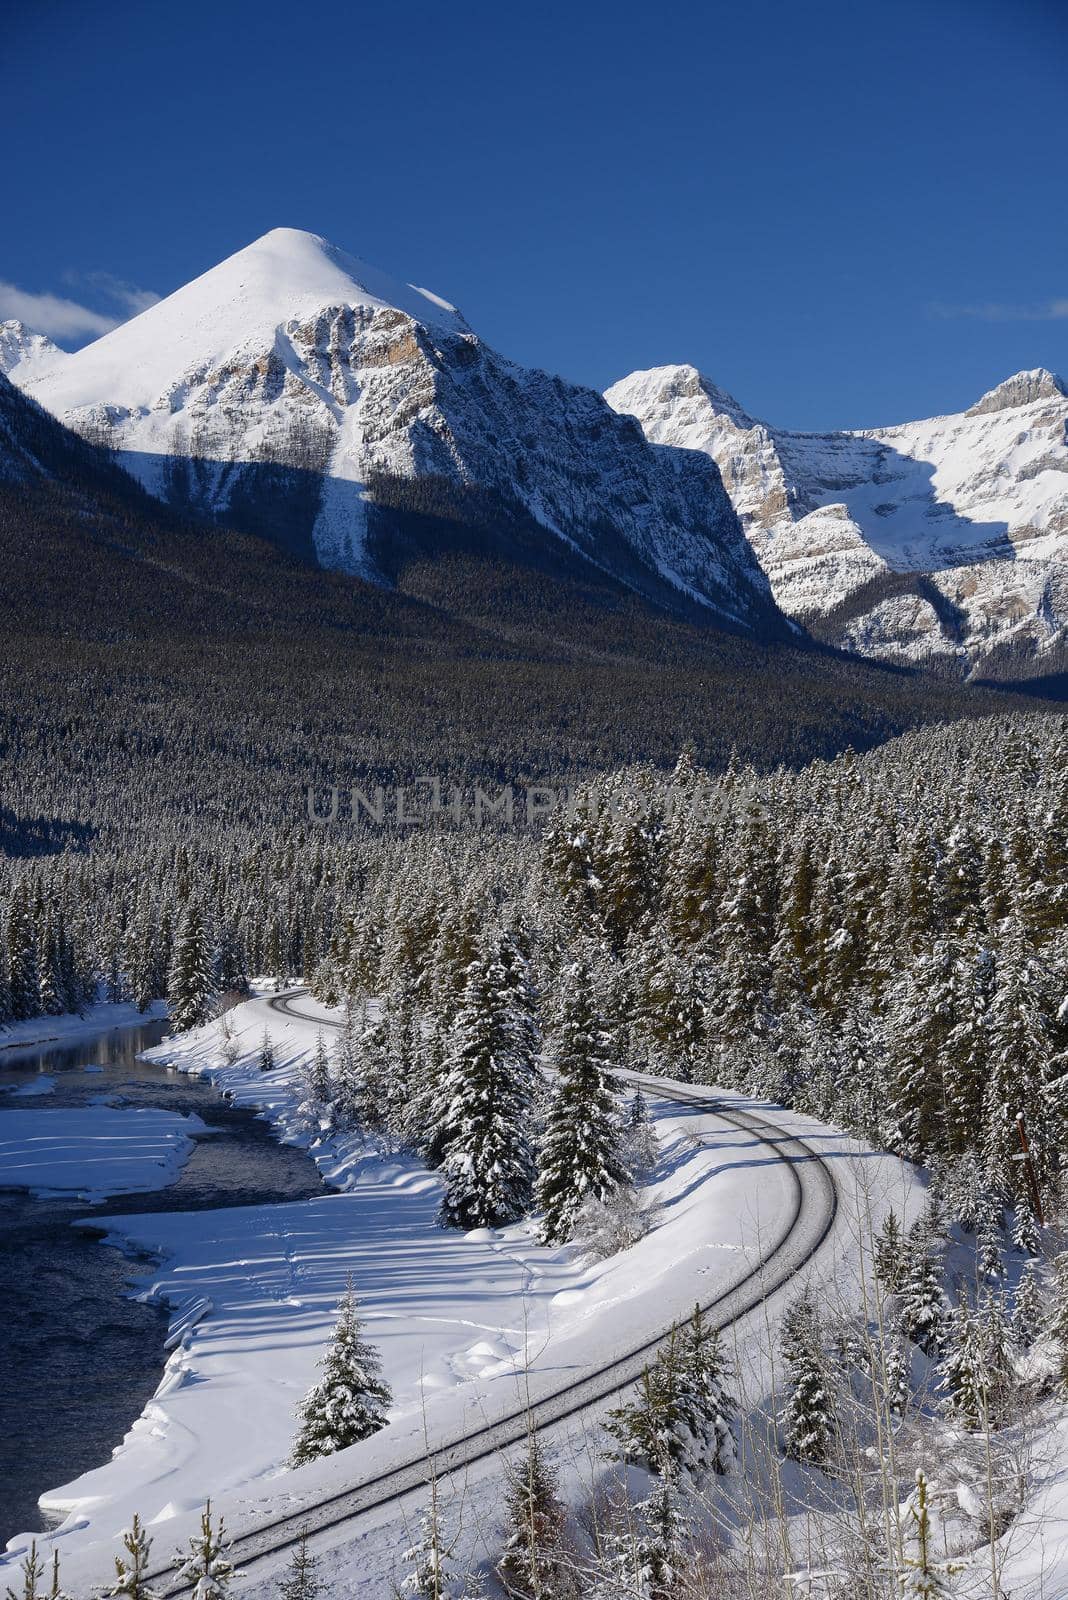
x: 847, y: 214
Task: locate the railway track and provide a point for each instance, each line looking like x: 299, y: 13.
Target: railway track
x: 810, y: 1221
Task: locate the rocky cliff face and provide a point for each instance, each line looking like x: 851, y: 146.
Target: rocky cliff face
x: 296, y: 392
x: 944, y: 540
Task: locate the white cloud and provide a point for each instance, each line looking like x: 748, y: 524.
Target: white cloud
x: 125, y: 295
x: 51, y: 314
x: 61, y: 318
x: 999, y: 311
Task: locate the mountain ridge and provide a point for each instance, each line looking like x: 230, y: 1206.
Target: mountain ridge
x: 277, y: 390
x: 971, y: 506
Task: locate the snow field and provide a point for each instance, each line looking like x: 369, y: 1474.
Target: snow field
x: 467, y: 1325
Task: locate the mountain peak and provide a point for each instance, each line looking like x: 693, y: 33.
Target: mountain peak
x: 21, y: 347
x: 1022, y: 389
x: 241, y: 304
x: 672, y: 389
x: 663, y: 388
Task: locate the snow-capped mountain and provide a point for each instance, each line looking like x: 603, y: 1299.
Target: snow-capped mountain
x: 24, y: 354
x: 294, y: 391
x: 938, y: 540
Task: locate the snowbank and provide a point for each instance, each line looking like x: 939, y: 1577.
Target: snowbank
x: 94, y: 1151
x: 72, y: 1026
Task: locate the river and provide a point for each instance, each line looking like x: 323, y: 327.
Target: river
x: 78, y: 1357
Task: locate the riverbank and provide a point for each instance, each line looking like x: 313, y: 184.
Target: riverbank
x: 82, y: 1354
x: 72, y: 1026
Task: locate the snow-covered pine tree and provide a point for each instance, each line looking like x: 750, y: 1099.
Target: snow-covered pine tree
x: 301, y: 1581
x: 1025, y: 1228
x: 705, y: 1406
x: 808, y: 1419
x: 989, y: 1233
x: 1056, y: 1322
x: 486, y: 1098
x: 191, y: 981
x: 142, y: 959
x: 430, y: 1575
x: 348, y: 1086
x: 640, y: 1143
x: 923, y: 1301
x: 1027, y: 1307
x: 998, y: 1355
x: 924, y: 1576
x: 965, y: 1380
x: 896, y: 1389
x: 662, y: 1544
x: 351, y: 1400
x: 645, y: 1428
x: 1018, y: 1080
x: 205, y: 1568
x: 890, y: 1254
x: 921, y: 1018
x: 131, y: 1568
x: 32, y: 1570
x: 537, y: 1562
x: 267, y: 1061
x: 319, y: 1080
x: 967, y: 1049
x: 581, y: 1154
x: 514, y: 949
x: 21, y: 958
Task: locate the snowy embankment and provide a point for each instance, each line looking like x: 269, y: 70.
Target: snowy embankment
x: 73, y: 1025
x: 93, y: 1152
x: 467, y: 1325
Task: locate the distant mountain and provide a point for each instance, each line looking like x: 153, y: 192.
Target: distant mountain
x: 28, y: 352
x: 157, y: 668
x: 936, y: 542
x: 295, y: 392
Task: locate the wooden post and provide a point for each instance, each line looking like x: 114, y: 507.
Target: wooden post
x: 1029, y: 1168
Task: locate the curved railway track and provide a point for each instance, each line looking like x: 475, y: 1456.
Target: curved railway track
x: 810, y: 1221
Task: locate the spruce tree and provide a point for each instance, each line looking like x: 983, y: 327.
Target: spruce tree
x: 890, y: 1254
x: 351, y: 1400
x: 705, y: 1406
x: 923, y: 1301
x: 1056, y: 1325
x: 808, y: 1419
x: 487, y: 1094
x: 924, y: 1576
x: 301, y: 1581
x: 190, y: 982
x: 643, y: 1553
x: 1027, y: 1307
x: 536, y: 1563
x: 266, y: 1059
x: 430, y: 1575
x: 645, y: 1428
x: 896, y: 1389
x: 965, y: 1379
x: 131, y: 1568
x: 205, y: 1567
x: 581, y: 1154
x: 33, y: 1570
x: 319, y: 1081
x: 640, y: 1145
